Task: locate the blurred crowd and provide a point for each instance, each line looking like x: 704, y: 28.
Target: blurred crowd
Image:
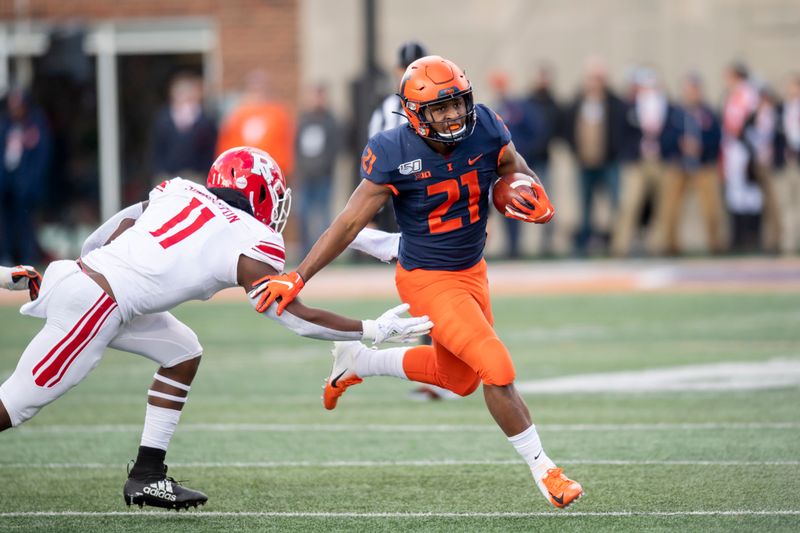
x: 639, y: 153
x: 647, y: 150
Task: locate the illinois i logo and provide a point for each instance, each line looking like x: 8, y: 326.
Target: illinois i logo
x: 410, y: 167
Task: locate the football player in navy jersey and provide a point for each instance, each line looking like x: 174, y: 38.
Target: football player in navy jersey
x: 438, y: 169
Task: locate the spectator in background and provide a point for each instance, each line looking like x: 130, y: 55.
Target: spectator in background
x: 651, y: 147
x: 593, y: 126
x: 316, y: 147
x: 525, y: 125
x: 261, y: 122
x: 184, y: 137
x: 542, y: 99
x: 788, y: 181
x: 761, y: 137
x: 26, y: 147
x: 389, y: 114
x: 742, y: 193
x: 698, y: 151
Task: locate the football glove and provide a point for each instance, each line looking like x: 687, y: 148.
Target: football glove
x: 390, y: 327
x: 536, y: 208
x: 285, y: 286
x: 21, y: 277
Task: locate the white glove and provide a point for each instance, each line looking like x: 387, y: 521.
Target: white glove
x: 390, y: 327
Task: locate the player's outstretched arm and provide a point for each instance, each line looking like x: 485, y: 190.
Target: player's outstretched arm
x: 379, y: 244
x: 113, y: 227
x: 20, y: 278
x: 325, y: 325
x: 365, y: 201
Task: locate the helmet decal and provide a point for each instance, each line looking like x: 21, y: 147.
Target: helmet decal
x: 255, y: 174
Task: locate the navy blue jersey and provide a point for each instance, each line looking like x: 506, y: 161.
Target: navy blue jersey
x: 440, y: 202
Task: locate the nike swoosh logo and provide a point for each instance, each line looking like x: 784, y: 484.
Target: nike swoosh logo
x: 537, y: 455
x: 474, y: 159
x: 334, y: 380
x: 559, y: 501
x: 287, y: 283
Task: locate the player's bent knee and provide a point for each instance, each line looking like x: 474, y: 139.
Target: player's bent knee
x: 17, y: 414
x: 498, y: 368
x: 466, y: 386
x: 5, y: 419
x: 191, y: 358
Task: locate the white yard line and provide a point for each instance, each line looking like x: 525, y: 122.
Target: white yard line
x: 771, y: 374
x: 407, y: 463
x: 410, y: 428
x: 278, y: 514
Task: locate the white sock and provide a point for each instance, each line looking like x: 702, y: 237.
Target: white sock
x: 388, y: 362
x: 159, y: 425
x: 529, y: 446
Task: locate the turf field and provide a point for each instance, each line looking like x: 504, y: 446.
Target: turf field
x: 255, y: 437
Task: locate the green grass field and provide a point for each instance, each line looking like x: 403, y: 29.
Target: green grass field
x: 255, y: 438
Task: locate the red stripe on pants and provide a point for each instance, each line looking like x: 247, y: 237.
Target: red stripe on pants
x: 77, y: 344
x: 68, y: 335
x: 77, y: 352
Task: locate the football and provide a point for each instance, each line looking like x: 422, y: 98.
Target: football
x: 507, y: 187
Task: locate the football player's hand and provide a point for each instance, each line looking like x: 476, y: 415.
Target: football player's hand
x: 285, y: 286
x: 391, y: 327
x: 534, y: 208
x: 20, y: 278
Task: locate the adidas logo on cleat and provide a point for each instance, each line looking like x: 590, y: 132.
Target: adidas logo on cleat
x: 162, y: 490
x: 165, y: 493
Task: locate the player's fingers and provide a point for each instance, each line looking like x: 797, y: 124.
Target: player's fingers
x: 265, y: 301
x: 532, y: 199
x: 516, y: 215
x: 423, y: 328
x: 282, y: 305
x: 33, y: 288
x: 261, y: 280
x: 519, y: 206
x: 258, y: 290
x: 543, y: 219
x: 399, y: 309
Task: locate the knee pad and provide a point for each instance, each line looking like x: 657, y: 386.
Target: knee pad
x: 497, y: 368
x: 28, y: 404
x: 466, y: 386
x: 190, y: 345
x: 183, y: 358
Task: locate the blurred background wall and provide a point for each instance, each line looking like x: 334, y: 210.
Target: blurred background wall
x: 102, y: 70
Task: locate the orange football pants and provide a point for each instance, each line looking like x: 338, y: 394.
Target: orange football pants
x: 466, y: 349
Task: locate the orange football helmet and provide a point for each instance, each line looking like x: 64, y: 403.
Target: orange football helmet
x: 432, y: 80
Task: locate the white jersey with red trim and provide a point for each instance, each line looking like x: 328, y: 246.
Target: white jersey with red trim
x: 185, y: 246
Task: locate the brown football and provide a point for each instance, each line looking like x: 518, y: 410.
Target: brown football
x: 506, y: 187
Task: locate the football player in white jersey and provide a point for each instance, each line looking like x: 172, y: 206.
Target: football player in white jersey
x: 186, y: 242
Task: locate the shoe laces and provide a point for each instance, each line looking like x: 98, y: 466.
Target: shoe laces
x: 555, y: 479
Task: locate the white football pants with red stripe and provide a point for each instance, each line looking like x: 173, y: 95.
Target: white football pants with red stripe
x: 82, y: 320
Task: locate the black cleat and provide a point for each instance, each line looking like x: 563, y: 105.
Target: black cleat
x: 161, y: 491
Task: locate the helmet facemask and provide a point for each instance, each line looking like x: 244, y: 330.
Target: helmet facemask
x: 281, y: 205
x: 425, y: 127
